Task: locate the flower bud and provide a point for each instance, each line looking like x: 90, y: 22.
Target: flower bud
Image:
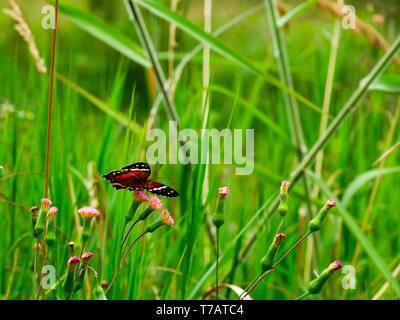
x: 71, y: 245
x: 50, y: 236
x: 316, y: 285
x: 315, y: 224
x: 40, y: 223
x: 51, y: 214
x: 99, y: 292
x: 268, y: 260
x: 46, y: 203
x: 155, y: 204
x: 87, y: 214
x: 34, y: 211
x: 283, y: 204
x: 69, y: 281
x: 219, y: 218
x: 164, y: 219
x: 34, y: 214
x: 223, y: 192
x: 139, y: 197
x: 82, y: 271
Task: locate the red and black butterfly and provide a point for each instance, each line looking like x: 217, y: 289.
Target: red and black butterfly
x: 136, y: 177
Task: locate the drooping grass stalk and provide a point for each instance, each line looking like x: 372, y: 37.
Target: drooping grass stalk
x: 135, y: 14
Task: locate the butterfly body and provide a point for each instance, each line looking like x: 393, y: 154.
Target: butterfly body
x: 137, y: 177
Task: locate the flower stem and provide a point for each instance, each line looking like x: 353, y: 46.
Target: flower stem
x: 216, y: 269
x: 122, y: 261
x: 276, y: 264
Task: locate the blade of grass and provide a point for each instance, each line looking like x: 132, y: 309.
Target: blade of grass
x: 218, y: 46
x: 136, y: 16
x: 361, y: 180
x: 295, y: 12
x: 117, y: 115
x: 105, y: 33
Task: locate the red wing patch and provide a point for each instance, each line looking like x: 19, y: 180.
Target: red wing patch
x: 161, y: 190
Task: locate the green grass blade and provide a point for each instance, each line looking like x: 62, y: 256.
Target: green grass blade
x: 361, y: 180
x: 118, y: 116
x: 386, y: 83
x: 105, y: 33
x: 295, y: 12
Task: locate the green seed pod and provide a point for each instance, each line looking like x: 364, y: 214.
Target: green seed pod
x: 219, y: 218
x: 87, y: 229
x: 283, y: 204
x: 69, y: 281
x: 268, y: 260
x: 40, y: 223
x: 34, y: 214
x: 139, y: 198
x: 316, y: 285
x: 164, y: 219
x: 316, y: 223
x: 99, y: 293
x: 82, y: 270
x: 50, y: 237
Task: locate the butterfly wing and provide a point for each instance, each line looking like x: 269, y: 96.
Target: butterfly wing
x: 131, y: 177
x: 161, y: 190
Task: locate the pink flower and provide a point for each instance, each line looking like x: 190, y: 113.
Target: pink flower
x: 335, y: 266
x: 155, y: 203
x: 88, y: 212
x: 223, y: 192
x: 331, y: 203
x: 285, y: 186
x: 140, y: 196
x: 167, y: 219
x: 46, y: 203
x: 52, y: 212
x: 86, y: 256
x: 73, y: 261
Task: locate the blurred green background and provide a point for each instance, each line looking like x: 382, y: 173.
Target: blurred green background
x: 89, y: 140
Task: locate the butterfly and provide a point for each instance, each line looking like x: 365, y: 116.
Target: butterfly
x: 136, y: 177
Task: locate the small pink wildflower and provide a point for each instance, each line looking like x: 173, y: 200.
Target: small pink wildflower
x: 167, y: 219
x: 331, y: 203
x: 285, y: 186
x: 140, y: 196
x: 335, y: 265
x: 86, y: 256
x: 46, y: 203
x: 73, y: 261
x: 88, y: 212
x: 52, y: 212
x: 223, y: 192
x: 155, y: 203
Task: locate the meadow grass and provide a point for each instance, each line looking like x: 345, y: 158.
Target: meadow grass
x: 104, y: 94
